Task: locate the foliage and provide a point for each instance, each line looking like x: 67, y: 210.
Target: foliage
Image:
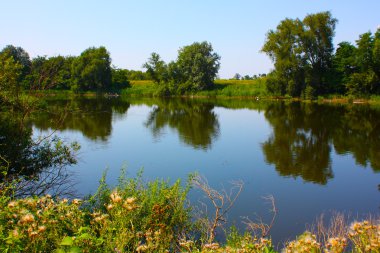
x: 195, y: 69
x: 302, y: 54
x: 10, y: 72
x: 134, y: 215
x: 197, y: 65
x: 47, y: 73
x: 146, y: 217
x: 21, y: 57
x: 92, y: 70
x: 120, y: 79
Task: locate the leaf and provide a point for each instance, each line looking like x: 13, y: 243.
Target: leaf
x: 75, y: 250
x: 67, y: 241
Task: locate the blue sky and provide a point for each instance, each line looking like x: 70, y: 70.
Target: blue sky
x: 131, y: 30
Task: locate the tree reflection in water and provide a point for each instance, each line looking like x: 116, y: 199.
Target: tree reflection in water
x: 195, y: 122
x: 92, y: 117
x: 304, y: 134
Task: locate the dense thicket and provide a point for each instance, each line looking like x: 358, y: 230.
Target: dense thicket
x: 195, y: 69
x: 91, y: 70
x: 305, y: 64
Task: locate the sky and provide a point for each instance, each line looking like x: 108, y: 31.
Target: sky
x: 132, y: 30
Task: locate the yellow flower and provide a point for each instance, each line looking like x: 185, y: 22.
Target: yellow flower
x: 27, y: 218
x: 142, y: 248
x: 76, y: 201
x: 131, y: 200
x: 12, y: 204
x: 41, y: 229
x: 15, y: 233
x: 115, y: 197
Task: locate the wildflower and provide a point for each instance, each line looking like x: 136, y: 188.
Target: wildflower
x: 211, y: 246
x: 130, y: 200
x: 64, y: 201
x: 128, y: 206
x: 76, y: 201
x: 109, y: 207
x: 115, y: 197
x: 12, y: 204
x: 142, y: 248
x: 30, y: 202
x: 15, y: 233
x: 33, y: 234
x: 41, y: 229
x: 27, y: 218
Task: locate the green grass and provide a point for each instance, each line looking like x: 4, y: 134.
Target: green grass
x: 236, y: 88
x: 222, y: 88
x: 145, y: 88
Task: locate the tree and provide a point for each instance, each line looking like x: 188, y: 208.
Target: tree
x: 237, y: 76
x: 284, y: 49
x: 302, y: 53
x: 156, y: 68
x: 195, y: 69
x: 10, y: 72
x: 92, y: 70
x: 120, y: 78
x: 20, y: 56
x: 317, y: 46
x: 198, y: 65
x: 47, y: 73
x: 344, y: 64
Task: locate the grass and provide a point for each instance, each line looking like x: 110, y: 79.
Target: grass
x: 222, y: 88
x: 236, y: 88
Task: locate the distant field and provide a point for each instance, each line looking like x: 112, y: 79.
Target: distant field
x: 222, y: 88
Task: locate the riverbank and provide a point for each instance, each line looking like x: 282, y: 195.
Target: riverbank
x: 223, y: 89
x: 241, y: 89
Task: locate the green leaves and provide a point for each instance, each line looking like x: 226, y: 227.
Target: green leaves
x: 195, y: 69
x: 301, y: 52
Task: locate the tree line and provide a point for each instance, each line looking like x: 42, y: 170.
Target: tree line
x: 89, y: 71
x: 305, y: 64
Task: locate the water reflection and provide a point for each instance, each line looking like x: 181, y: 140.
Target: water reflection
x: 92, y: 117
x: 196, y: 123
x: 304, y: 134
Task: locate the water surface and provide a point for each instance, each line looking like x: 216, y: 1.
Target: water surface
x: 312, y: 158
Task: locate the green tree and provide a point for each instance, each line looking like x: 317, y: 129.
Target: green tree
x: 198, y: 65
x: 284, y: 49
x: 156, y: 68
x: 92, y: 70
x: 47, y: 73
x: 317, y: 46
x: 20, y: 56
x: 120, y: 78
x: 10, y: 72
x: 302, y: 54
x: 344, y: 64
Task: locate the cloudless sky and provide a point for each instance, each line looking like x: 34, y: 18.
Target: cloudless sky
x: 131, y: 30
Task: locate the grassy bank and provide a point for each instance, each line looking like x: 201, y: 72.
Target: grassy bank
x: 138, y: 216
x: 222, y: 88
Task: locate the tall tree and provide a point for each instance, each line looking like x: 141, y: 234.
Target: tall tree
x: 302, y: 54
x: 317, y: 46
x: 283, y: 47
x: 156, y: 68
x: 10, y: 72
x: 92, y: 70
x: 198, y: 65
